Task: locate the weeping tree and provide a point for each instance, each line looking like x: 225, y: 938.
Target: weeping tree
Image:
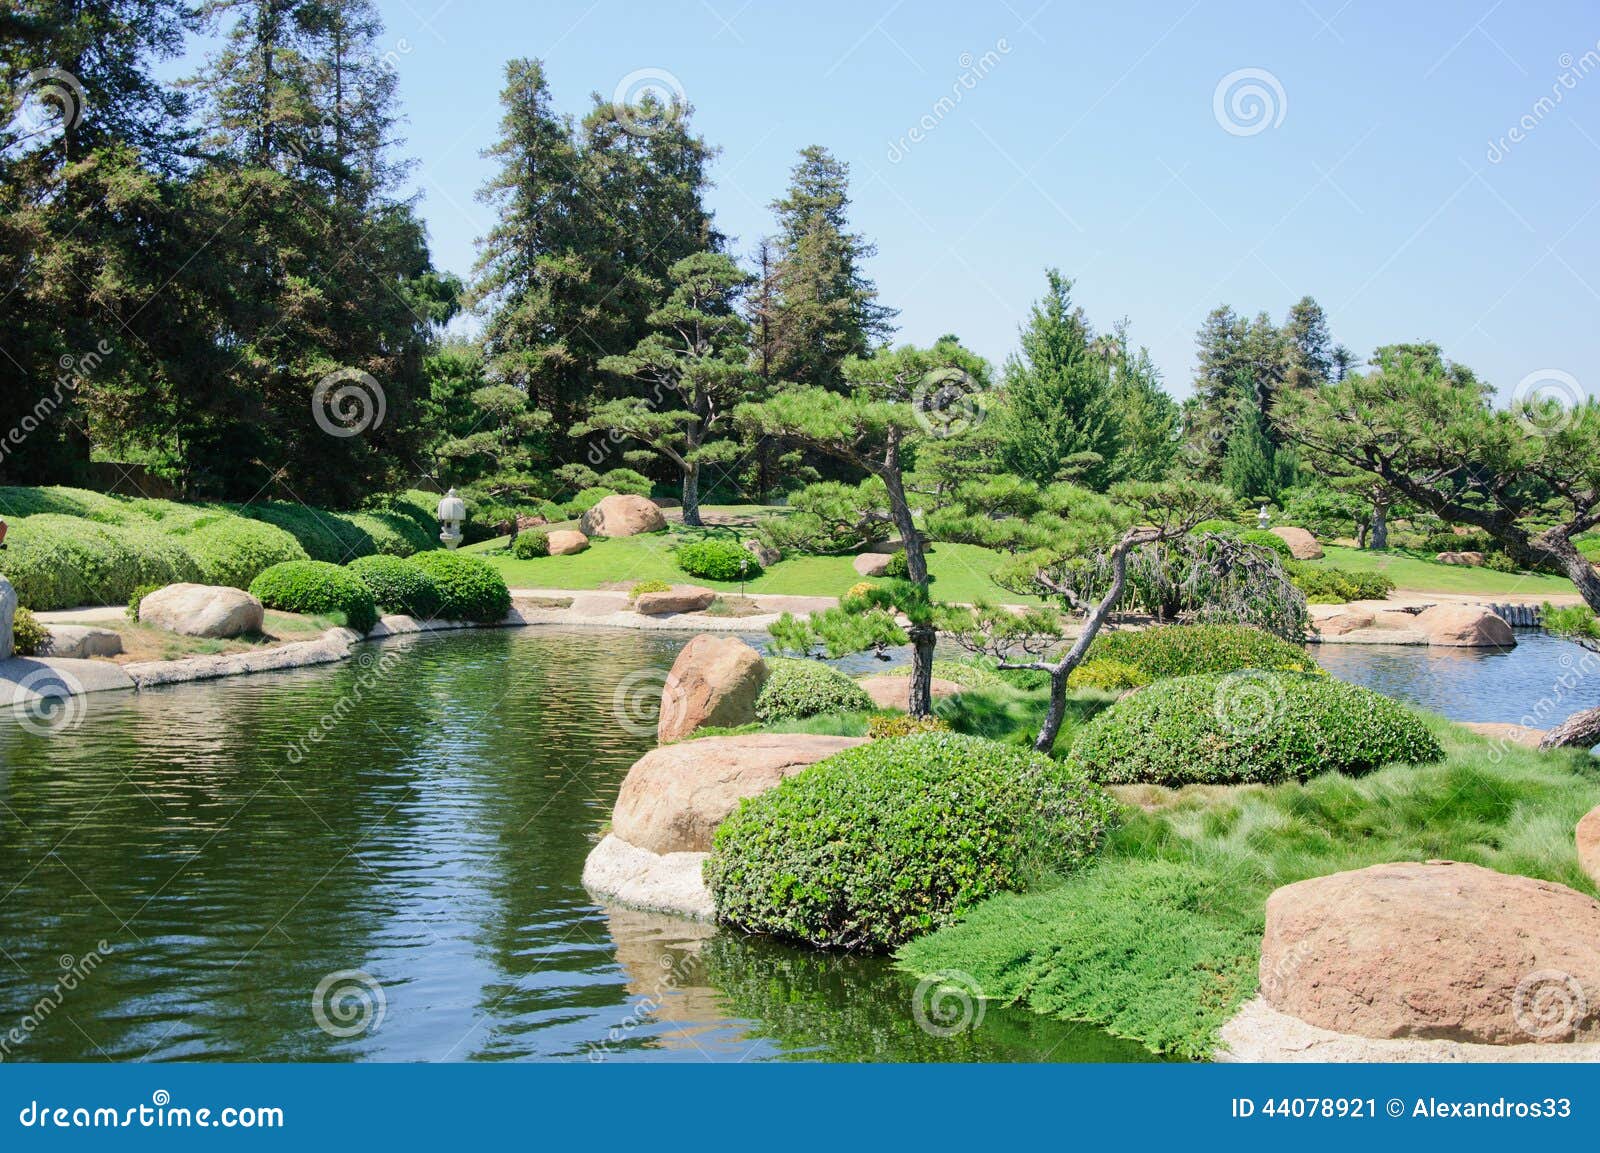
x: 1101, y: 545
x: 900, y: 399
x: 695, y: 361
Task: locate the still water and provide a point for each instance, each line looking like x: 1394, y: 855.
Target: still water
x: 186, y: 873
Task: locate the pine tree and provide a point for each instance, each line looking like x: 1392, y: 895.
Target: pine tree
x: 1247, y: 466
x: 829, y: 309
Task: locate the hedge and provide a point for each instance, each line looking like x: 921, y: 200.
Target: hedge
x: 398, y: 586
x: 881, y: 842
x: 797, y: 689
x: 1334, y: 586
x: 234, y: 551
x: 60, y: 562
x: 318, y: 588
x: 1251, y: 726
x: 1182, y: 650
x: 470, y: 589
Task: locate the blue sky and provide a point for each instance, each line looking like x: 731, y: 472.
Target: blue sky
x: 1092, y: 142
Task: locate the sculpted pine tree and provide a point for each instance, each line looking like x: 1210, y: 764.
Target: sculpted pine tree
x: 696, y: 363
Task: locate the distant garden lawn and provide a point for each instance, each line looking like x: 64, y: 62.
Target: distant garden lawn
x: 1412, y: 573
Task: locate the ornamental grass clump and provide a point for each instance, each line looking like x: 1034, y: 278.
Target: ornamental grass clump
x: 796, y: 689
x: 1249, y: 727
x: 883, y: 842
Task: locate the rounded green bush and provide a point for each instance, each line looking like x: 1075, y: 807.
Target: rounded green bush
x: 398, y: 586
x: 718, y: 560
x: 27, y: 634
x: 1182, y: 650
x: 530, y: 544
x: 900, y: 568
x: 59, y: 562
x: 797, y: 689
x: 885, y: 841
x: 1333, y: 586
x: 234, y: 551
x: 1250, y: 726
x: 1268, y: 540
x: 317, y: 587
x: 1107, y: 673
x: 471, y: 588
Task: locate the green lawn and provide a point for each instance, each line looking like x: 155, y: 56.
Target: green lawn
x: 961, y: 572
x: 1159, y: 942
x: 1411, y: 572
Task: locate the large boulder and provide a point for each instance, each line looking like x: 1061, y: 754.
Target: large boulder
x: 1465, y: 626
x: 1471, y: 558
x: 1337, y: 620
x: 565, y: 541
x: 892, y: 692
x: 714, y: 681
x: 202, y: 610
x: 1588, y: 833
x: 871, y: 564
x: 677, y: 599
x: 674, y: 797
x: 622, y: 515
x: 1301, y: 543
x: 1438, y: 950
x: 766, y: 556
x: 8, y: 616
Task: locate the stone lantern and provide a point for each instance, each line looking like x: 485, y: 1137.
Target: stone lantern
x: 1263, y: 518
x: 452, y: 511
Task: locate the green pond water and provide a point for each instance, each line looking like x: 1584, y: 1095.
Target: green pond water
x: 186, y: 874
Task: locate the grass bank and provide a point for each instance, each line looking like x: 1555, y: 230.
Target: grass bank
x: 1414, y: 572
x: 1159, y: 941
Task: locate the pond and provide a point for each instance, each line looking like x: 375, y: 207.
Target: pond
x: 380, y: 860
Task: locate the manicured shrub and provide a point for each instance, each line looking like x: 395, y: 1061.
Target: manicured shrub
x: 626, y: 480
x: 1500, y: 562
x: 1251, y: 726
x: 470, y: 589
x: 882, y: 726
x: 1437, y: 542
x: 19, y: 501
x: 234, y: 551
x: 1180, y: 650
x: 59, y: 562
x: 879, y: 843
x: 1267, y: 540
x: 1333, y: 586
x: 651, y: 586
x: 797, y: 689
x: 586, y: 500
x: 1109, y: 674
x: 27, y: 634
x: 318, y: 588
x: 530, y: 544
x: 398, y: 586
x: 137, y: 598
x: 718, y: 560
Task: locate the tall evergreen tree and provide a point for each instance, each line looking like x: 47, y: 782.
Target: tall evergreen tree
x: 1057, y: 420
x: 828, y: 308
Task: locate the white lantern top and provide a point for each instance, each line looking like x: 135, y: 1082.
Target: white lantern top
x: 452, y: 509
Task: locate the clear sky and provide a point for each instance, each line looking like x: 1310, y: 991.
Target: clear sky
x: 1091, y: 138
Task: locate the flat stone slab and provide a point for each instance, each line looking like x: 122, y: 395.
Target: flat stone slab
x: 81, y: 642
x: 333, y: 645
x: 26, y: 680
x: 640, y: 879
x: 1258, y: 1032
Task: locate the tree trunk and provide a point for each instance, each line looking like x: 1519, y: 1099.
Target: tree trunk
x: 1046, y: 739
x: 1579, y: 568
x: 1581, y: 730
x: 691, y: 495
x: 1380, y: 527
x: 923, y: 637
